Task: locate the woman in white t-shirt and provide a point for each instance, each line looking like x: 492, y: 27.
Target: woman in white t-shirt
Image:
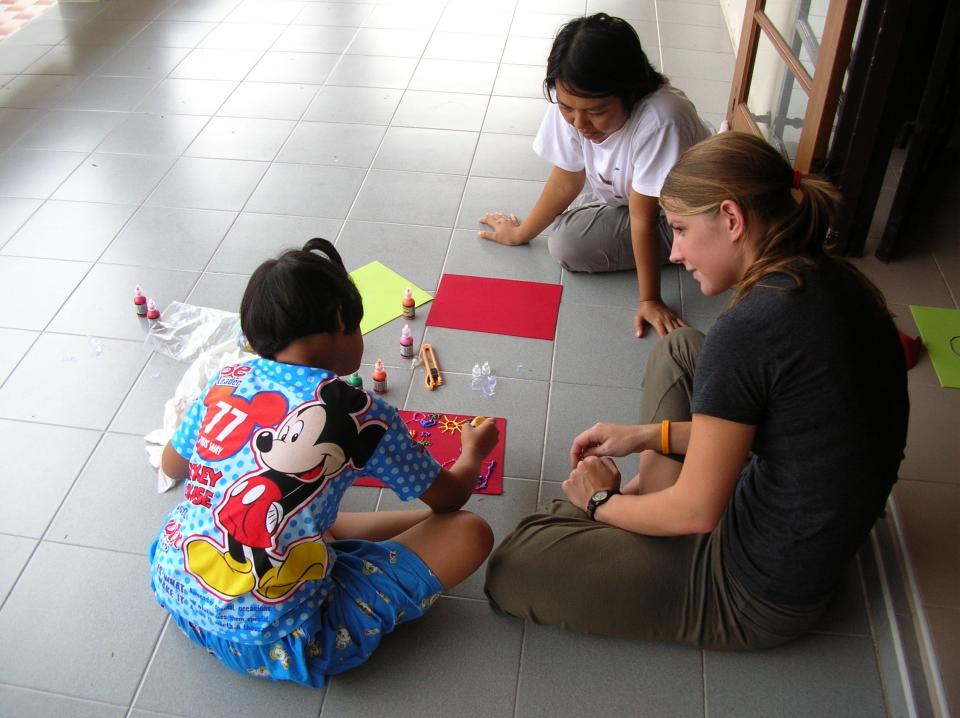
x: 616, y: 123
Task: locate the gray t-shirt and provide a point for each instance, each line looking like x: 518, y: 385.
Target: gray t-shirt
x: 820, y: 372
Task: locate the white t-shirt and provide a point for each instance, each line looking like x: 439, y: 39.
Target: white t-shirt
x: 638, y: 155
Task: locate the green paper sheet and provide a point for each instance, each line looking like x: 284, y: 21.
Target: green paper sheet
x: 382, y: 292
x: 940, y: 329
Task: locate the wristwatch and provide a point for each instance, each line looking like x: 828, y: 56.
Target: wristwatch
x: 598, y: 499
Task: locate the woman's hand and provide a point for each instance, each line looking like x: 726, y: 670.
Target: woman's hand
x: 590, y: 476
x: 605, y: 440
x: 658, y: 315
x: 506, y: 228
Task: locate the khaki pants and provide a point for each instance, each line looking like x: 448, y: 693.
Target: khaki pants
x: 559, y: 568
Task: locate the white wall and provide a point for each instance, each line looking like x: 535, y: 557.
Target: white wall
x: 733, y: 12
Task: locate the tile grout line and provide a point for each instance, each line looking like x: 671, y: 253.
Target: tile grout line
x: 376, y: 152
x: 138, y: 206
x: 656, y: 20
x: 53, y: 518
x: 206, y: 124
x: 523, y: 646
x: 895, y: 636
x: 45, y: 692
x: 150, y: 661
x: 202, y: 272
x: 929, y: 655
x: 703, y: 682
x: 103, y: 432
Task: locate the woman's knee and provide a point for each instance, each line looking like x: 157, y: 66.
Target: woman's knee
x: 568, y: 249
x: 680, y: 348
x: 682, y: 341
x: 504, y: 575
x: 510, y: 569
x: 646, y: 461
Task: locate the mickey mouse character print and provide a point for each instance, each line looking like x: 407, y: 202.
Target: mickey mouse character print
x: 296, y: 461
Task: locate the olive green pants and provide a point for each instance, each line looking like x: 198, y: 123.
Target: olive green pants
x: 559, y: 568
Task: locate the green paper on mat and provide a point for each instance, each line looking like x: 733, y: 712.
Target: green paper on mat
x: 382, y: 292
x: 940, y: 329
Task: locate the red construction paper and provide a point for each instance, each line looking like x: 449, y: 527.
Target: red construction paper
x: 445, y: 447
x: 496, y: 306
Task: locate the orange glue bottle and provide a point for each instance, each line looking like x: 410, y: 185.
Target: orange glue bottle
x: 409, y: 305
x: 379, y: 377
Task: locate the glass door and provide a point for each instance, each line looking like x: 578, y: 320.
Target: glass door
x: 790, y: 69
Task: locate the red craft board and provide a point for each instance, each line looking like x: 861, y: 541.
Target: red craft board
x: 445, y: 447
x: 496, y: 306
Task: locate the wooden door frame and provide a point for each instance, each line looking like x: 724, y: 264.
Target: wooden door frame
x: 823, y: 89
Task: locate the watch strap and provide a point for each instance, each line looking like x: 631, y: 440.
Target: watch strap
x: 593, y: 504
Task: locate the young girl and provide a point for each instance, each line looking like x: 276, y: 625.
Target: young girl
x: 616, y: 123
x: 256, y: 564
x: 771, y: 446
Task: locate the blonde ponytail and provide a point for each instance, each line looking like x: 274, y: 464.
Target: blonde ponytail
x: 794, y: 211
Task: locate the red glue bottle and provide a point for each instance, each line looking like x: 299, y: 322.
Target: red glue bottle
x: 139, y: 302
x: 406, y: 342
x: 152, y: 311
x: 409, y: 305
x: 379, y: 377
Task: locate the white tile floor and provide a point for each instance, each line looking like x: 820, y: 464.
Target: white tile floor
x: 176, y: 145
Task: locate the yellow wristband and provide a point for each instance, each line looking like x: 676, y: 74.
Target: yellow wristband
x: 665, y: 437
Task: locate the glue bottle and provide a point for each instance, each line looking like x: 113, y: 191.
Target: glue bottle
x: 139, y: 302
x: 379, y: 377
x: 409, y: 305
x: 152, y: 311
x: 406, y: 342
x: 355, y: 380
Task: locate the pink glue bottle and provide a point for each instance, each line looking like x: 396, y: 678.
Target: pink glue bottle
x: 139, y: 302
x: 379, y: 377
x: 152, y: 311
x: 406, y: 342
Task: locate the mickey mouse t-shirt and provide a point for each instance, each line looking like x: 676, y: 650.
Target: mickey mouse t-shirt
x: 271, y: 448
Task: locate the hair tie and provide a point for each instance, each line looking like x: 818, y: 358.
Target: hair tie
x: 797, y: 176
x: 321, y: 253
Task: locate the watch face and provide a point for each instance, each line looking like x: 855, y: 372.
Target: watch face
x: 600, y: 495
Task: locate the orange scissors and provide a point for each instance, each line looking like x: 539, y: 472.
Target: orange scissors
x: 431, y: 369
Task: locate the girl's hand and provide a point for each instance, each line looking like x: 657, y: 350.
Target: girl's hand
x: 590, y: 475
x: 506, y: 228
x: 605, y: 440
x: 658, y: 315
x: 479, y: 440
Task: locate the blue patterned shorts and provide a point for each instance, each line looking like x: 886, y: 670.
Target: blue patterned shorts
x: 375, y: 587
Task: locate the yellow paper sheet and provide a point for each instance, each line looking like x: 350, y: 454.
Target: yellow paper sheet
x: 940, y: 329
x: 382, y: 292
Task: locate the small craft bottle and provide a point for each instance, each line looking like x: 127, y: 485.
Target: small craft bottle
x: 406, y: 342
x: 409, y: 305
x: 139, y: 302
x: 152, y: 311
x: 355, y: 380
x: 379, y: 377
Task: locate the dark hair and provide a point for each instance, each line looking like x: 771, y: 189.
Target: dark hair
x: 599, y: 55
x: 302, y: 292
x: 795, y: 211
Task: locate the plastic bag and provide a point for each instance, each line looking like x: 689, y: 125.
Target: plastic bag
x: 208, y: 338
x: 185, y: 331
